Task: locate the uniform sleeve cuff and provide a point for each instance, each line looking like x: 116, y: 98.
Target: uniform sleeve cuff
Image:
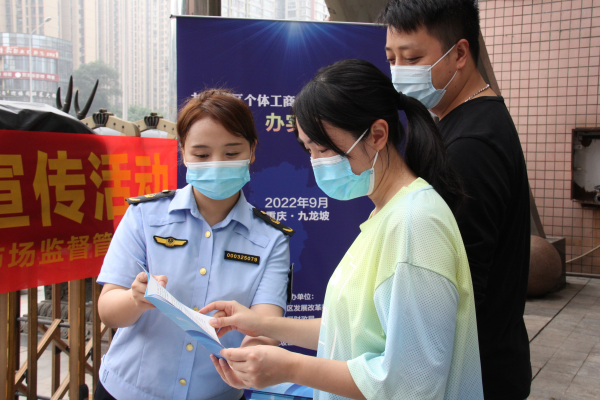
x: 269, y: 300
x: 113, y: 280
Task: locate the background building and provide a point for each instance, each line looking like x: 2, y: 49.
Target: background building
x: 59, y: 45
x: 249, y: 8
x: 302, y: 10
x: 52, y: 65
x: 148, y: 31
x: 72, y: 20
x: 130, y: 36
x: 306, y: 10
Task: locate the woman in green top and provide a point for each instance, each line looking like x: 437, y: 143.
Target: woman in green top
x: 399, y: 316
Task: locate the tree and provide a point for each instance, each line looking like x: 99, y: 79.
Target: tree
x: 108, y: 95
x: 135, y: 113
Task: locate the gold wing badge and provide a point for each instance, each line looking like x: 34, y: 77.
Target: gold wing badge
x: 170, y: 241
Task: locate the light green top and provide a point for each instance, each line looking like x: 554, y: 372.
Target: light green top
x: 400, y: 305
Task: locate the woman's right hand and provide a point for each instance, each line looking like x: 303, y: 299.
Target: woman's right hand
x: 138, y: 290
x: 231, y: 316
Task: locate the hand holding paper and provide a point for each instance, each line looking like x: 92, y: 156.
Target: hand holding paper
x: 138, y: 290
x: 193, y: 323
x: 231, y: 315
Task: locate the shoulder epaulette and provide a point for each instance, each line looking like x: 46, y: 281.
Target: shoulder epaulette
x: 150, y: 197
x: 273, y: 222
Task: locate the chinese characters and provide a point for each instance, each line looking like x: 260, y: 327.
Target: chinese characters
x: 299, y: 202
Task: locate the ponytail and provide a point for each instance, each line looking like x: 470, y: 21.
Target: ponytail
x: 351, y: 95
x: 426, y: 154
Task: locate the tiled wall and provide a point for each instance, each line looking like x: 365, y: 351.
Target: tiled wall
x: 546, y: 57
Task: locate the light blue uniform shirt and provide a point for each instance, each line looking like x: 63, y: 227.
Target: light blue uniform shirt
x: 150, y: 359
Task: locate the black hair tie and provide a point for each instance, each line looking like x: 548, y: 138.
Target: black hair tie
x: 402, y: 101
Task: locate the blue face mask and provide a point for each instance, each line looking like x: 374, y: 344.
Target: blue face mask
x: 415, y: 81
x: 218, y: 180
x: 335, y: 177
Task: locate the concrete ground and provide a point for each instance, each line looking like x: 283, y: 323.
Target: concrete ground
x: 564, y: 334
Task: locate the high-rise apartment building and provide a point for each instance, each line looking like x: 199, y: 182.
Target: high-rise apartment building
x: 147, y: 49
x: 71, y: 20
x: 302, y: 10
x: 135, y: 41
x: 132, y: 36
x: 306, y: 10
x: 249, y: 8
x: 111, y: 23
x: 79, y: 24
x: 51, y: 54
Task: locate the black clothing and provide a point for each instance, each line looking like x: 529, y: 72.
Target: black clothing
x: 484, y: 149
x: 101, y: 393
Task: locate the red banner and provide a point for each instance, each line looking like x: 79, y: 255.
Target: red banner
x: 62, y: 196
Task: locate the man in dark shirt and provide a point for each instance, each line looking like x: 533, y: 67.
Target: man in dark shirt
x: 484, y: 149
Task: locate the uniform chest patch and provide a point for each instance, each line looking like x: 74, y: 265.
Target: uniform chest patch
x: 170, y: 241
x: 230, y: 255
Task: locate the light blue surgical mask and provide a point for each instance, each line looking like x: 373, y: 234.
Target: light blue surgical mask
x: 415, y: 81
x: 218, y: 180
x: 335, y: 177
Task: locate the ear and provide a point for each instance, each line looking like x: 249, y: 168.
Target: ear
x: 379, y: 134
x: 252, y: 152
x: 462, y: 53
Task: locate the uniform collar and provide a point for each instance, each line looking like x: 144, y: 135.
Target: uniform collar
x: 241, y: 212
x: 183, y: 200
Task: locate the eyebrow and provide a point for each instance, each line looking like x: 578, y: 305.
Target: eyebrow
x: 403, y: 47
x: 202, y: 146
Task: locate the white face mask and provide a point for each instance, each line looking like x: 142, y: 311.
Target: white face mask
x: 218, y: 180
x: 415, y: 81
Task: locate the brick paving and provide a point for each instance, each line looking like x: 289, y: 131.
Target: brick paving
x: 564, y: 334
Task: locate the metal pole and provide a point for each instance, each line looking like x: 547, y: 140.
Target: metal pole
x: 30, y: 69
x: 30, y: 59
x: 124, y: 60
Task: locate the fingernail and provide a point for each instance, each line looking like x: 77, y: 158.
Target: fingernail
x: 213, y: 322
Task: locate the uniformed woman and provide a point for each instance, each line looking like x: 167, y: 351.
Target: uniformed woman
x: 399, y: 314
x: 204, y: 242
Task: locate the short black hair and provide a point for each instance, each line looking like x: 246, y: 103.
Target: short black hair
x: 447, y: 20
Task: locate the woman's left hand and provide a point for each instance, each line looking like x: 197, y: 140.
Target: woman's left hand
x: 255, y: 366
x: 227, y: 374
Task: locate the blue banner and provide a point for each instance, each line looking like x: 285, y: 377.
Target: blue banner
x: 266, y: 63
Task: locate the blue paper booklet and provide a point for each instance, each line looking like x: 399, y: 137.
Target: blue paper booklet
x: 192, y: 322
